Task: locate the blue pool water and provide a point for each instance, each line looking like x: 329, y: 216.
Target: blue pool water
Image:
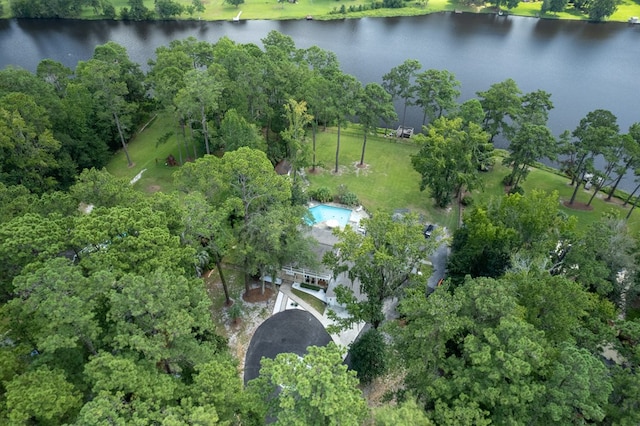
x: 322, y: 213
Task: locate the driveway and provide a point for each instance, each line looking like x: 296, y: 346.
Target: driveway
x: 292, y: 330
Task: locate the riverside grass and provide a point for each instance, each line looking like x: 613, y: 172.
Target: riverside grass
x: 387, y: 182
x: 218, y: 10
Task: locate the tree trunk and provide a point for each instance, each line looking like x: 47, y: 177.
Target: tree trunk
x: 578, y: 174
x: 514, y: 184
x: 193, y: 143
x: 184, y: 139
x: 575, y: 192
x: 337, y: 148
x: 205, y: 131
x: 247, y: 277
x: 124, y: 144
x: 633, y: 206
x: 313, y: 161
x: 404, y: 114
x: 227, y: 299
x: 615, y: 186
x: 631, y: 196
x: 514, y: 171
x: 364, y: 145
x: 179, y: 145
x: 597, y: 189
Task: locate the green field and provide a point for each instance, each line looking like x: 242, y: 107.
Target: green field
x: 387, y: 181
x: 218, y: 10
x: 148, y: 155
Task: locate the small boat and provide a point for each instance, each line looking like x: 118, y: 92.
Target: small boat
x: 309, y: 18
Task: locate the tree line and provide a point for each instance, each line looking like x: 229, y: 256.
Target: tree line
x: 105, y: 320
x: 226, y: 95
x: 136, y: 10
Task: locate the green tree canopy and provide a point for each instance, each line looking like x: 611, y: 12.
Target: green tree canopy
x: 374, y: 107
x: 472, y: 358
x: 436, y: 93
x: 399, y: 82
x: 451, y: 153
x: 380, y: 263
x: 501, y: 104
x: 315, y: 389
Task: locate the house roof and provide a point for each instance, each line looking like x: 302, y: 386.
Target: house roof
x: 283, y: 167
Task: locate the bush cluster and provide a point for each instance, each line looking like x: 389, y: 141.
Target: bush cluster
x: 311, y: 286
x: 322, y: 194
x: 342, y: 195
x: 388, y: 4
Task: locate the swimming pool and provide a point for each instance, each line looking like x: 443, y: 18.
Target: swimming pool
x: 323, y: 212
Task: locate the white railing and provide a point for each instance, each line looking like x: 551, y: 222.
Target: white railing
x: 306, y: 273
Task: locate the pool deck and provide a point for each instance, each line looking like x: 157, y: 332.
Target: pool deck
x: 357, y: 214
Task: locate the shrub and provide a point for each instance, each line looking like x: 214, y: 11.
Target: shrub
x: 507, y: 181
x: 298, y: 196
x: 350, y: 199
x: 369, y: 356
x: 517, y: 190
x: 467, y: 200
x: 235, y: 311
x: 109, y: 11
x: 345, y: 196
x: 322, y: 194
x: 311, y: 286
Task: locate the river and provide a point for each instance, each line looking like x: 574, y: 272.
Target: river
x: 585, y: 66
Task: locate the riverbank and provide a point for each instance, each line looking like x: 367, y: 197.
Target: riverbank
x: 220, y: 10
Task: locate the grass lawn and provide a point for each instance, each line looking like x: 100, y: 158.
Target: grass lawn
x: 543, y: 180
x: 147, y: 155
x: 387, y: 181
x: 314, y: 302
x: 218, y: 10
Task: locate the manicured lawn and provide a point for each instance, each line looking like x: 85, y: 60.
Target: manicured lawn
x: 388, y: 181
x: 218, y: 10
x: 147, y: 154
x: 314, y: 302
x: 546, y: 181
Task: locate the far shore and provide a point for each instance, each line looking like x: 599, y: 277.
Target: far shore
x: 353, y: 9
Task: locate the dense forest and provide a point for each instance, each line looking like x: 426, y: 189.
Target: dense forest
x: 104, y: 316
